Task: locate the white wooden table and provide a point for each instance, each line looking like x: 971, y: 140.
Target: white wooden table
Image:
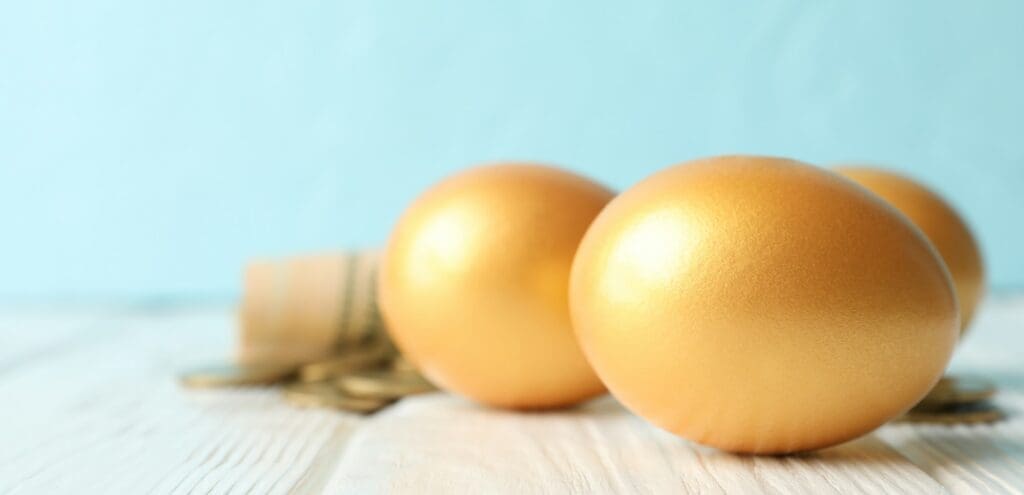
x: 89, y: 404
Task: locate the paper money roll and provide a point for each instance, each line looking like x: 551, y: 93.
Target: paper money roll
x: 305, y: 308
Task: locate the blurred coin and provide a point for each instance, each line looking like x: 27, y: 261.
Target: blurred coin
x: 352, y: 359
x: 978, y: 412
x: 235, y: 375
x: 327, y: 395
x: 952, y: 390
x: 384, y: 384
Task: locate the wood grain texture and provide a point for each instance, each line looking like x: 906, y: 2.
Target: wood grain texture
x: 99, y: 411
x: 441, y: 443
x: 91, y: 405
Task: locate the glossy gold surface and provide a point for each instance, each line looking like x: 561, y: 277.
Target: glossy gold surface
x: 940, y: 223
x: 474, y: 284
x: 761, y: 305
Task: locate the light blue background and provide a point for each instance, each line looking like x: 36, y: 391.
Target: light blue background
x: 147, y: 149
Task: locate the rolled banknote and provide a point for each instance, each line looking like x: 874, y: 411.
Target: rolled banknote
x: 305, y: 308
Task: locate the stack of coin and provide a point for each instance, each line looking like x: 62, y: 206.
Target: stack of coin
x: 311, y: 324
x: 957, y: 400
x: 362, y: 378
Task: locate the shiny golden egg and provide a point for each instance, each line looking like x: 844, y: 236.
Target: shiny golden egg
x: 940, y: 223
x: 474, y: 284
x: 761, y: 305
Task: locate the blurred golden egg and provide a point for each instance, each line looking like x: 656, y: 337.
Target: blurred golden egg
x: 761, y: 305
x: 474, y: 284
x: 940, y: 223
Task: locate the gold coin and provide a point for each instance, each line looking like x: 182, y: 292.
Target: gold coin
x: 952, y: 390
x: 978, y: 412
x: 350, y: 360
x: 385, y: 384
x: 237, y: 375
x: 329, y: 396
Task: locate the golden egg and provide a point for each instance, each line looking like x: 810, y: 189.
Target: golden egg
x: 940, y: 223
x: 761, y: 305
x: 474, y: 284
